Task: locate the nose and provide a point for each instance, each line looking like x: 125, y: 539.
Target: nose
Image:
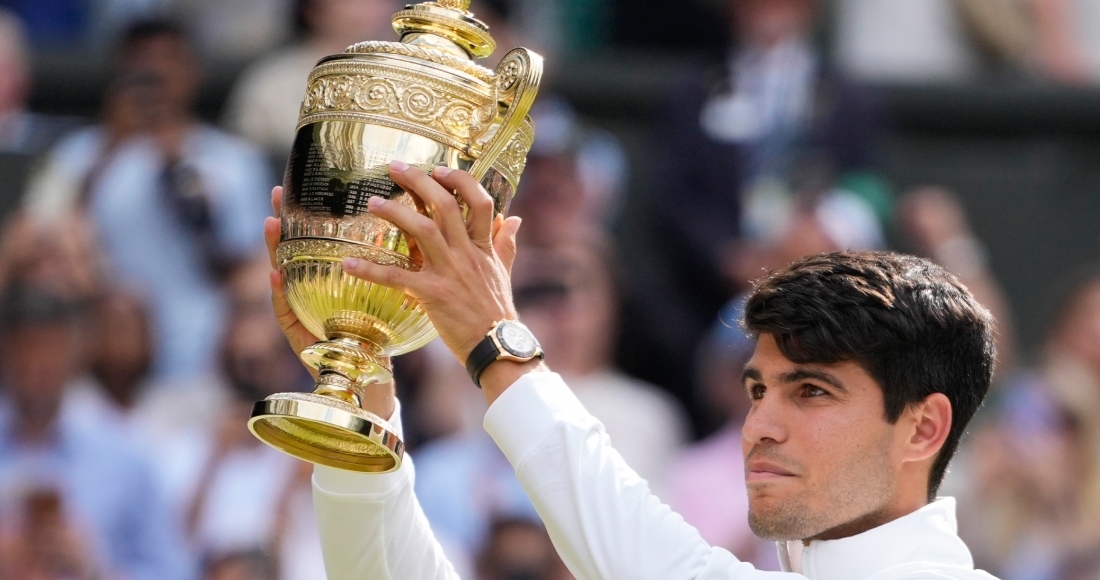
x: 766, y: 421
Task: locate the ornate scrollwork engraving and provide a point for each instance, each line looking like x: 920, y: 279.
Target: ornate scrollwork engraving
x: 337, y: 250
x: 405, y: 99
x: 437, y: 56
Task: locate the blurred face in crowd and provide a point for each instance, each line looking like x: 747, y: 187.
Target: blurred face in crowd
x: 764, y: 23
x: 14, y: 76
x: 1079, y: 332
x: 345, y: 22
x: 159, y: 76
x: 520, y: 551
x: 821, y: 459
x: 258, y: 361
x: 550, y: 199
x: 36, y: 361
x: 120, y: 348
x: 565, y: 295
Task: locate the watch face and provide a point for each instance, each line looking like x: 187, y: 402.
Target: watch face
x: 517, y: 340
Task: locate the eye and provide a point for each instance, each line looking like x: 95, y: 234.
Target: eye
x: 756, y: 391
x: 811, y: 391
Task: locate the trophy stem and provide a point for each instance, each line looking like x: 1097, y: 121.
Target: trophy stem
x: 329, y: 426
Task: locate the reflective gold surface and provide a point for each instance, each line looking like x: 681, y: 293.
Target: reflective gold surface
x: 425, y: 102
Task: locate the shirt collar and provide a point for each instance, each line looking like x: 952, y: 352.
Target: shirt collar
x: 928, y: 535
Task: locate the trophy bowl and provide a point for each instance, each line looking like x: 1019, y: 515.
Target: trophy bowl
x: 422, y: 101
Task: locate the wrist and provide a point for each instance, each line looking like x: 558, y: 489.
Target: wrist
x: 501, y: 374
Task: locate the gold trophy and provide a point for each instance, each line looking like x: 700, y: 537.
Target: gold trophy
x: 424, y: 101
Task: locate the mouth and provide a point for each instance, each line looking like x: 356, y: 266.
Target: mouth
x: 763, y: 471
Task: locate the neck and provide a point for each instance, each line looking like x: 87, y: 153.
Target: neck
x: 30, y: 430
x: 896, y: 509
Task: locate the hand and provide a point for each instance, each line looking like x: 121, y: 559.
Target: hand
x: 296, y: 333
x: 464, y: 283
x: 380, y: 399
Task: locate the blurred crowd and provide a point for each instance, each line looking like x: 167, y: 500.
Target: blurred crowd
x: 135, y: 322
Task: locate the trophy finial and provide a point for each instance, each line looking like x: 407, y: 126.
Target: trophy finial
x: 446, y: 25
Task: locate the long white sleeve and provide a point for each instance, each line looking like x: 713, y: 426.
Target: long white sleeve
x: 372, y: 527
x: 602, y: 517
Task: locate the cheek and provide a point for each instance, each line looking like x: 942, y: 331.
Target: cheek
x: 832, y: 445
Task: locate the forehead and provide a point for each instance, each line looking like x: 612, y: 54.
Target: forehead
x: 770, y: 365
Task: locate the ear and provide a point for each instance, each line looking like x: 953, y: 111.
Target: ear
x: 931, y: 420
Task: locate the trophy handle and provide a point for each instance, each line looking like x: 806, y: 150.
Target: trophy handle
x: 518, y: 78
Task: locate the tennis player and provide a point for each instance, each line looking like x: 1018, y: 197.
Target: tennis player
x: 867, y: 368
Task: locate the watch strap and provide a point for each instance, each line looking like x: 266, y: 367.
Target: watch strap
x: 484, y: 354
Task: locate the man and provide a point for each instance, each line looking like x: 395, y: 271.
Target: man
x: 85, y: 493
x: 173, y: 199
x: 866, y: 370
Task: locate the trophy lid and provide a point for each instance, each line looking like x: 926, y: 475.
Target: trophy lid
x: 449, y: 21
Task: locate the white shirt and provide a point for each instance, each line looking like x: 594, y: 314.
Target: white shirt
x: 603, y: 519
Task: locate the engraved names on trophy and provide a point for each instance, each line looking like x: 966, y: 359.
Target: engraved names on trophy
x: 340, y: 186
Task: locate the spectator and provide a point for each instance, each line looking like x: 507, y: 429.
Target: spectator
x: 520, y: 549
x: 935, y: 225
x: 175, y: 201
x: 964, y: 40
x: 85, y: 489
x: 21, y: 132
x: 575, y: 176
x: 243, y: 495
x: 1033, y: 475
x: 254, y: 565
x: 738, y: 149
x: 263, y: 106
x: 567, y: 297
x: 237, y: 30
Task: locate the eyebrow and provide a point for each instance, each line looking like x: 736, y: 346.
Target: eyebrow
x: 795, y: 376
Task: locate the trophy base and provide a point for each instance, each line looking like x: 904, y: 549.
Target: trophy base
x: 328, y: 431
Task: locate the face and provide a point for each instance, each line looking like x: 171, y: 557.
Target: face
x: 37, y: 361
x: 1080, y: 332
x: 345, y: 22
x: 550, y: 200
x: 258, y: 360
x: 565, y: 296
x: 768, y: 22
x: 159, y: 75
x: 121, y: 350
x: 819, y: 453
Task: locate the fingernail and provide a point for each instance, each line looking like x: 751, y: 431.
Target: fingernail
x: 443, y: 171
x: 351, y: 263
x: 398, y: 165
x: 375, y: 202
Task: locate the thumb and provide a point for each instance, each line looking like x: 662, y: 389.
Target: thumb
x: 504, y: 242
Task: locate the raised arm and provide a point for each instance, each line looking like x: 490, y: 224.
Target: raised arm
x: 372, y: 526
x: 602, y: 517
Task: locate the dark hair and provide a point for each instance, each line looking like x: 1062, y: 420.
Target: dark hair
x: 908, y: 322
x: 23, y: 306
x: 146, y: 29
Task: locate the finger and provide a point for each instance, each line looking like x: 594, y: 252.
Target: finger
x: 479, y: 220
x: 277, y: 200
x: 425, y: 231
x: 443, y: 207
x: 272, y: 233
x: 504, y: 242
x: 296, y: 332
x: 389, y: 276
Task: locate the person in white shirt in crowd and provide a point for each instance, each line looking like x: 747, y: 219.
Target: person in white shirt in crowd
x: 174, y: 200
x: 566, y: 295
x: 867, y: 368
x: 237, y: 494
x: 263, y: 106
